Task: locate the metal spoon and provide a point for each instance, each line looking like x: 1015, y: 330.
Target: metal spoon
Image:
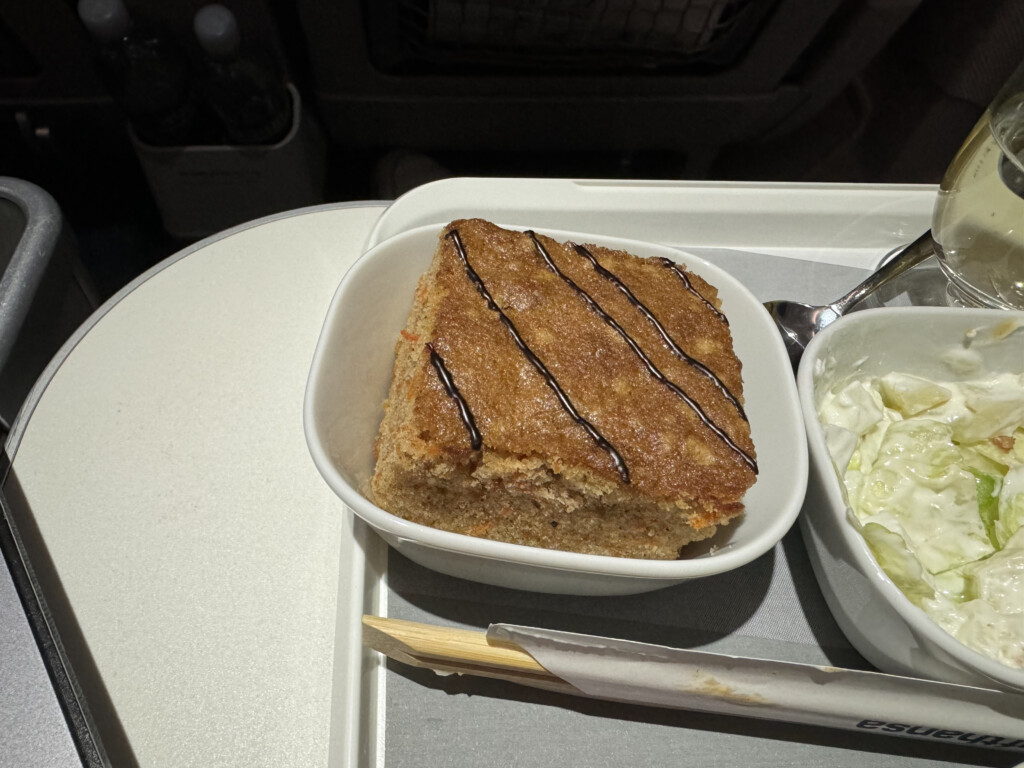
x: 799, y: 322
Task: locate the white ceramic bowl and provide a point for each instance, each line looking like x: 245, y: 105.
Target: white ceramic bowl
x: 349, y: 381
x: 881, y: 623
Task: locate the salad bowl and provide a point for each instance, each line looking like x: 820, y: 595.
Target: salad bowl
x: 858, y: 579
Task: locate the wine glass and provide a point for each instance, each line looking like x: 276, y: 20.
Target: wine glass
x: 978, y: 220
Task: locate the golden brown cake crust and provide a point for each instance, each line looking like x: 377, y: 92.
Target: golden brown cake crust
x: 607, y: 408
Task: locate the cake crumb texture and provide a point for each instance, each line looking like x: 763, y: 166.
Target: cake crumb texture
x: 565, y: 396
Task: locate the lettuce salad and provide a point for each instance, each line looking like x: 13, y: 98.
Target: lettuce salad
x: 934, y: 476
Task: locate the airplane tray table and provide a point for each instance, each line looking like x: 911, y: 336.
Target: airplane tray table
x: 190, y: 551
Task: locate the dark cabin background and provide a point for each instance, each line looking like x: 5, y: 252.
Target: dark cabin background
x: 406, y: 91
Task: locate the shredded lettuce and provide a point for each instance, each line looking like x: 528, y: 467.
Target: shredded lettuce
x: 1010, y: 506
x: 896, y: 559
x: 911, y: 395
x: 988, y: 503
x: 917, y: 479
x: 934, y: 475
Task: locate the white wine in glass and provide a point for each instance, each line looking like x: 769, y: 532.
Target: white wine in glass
x: 978, y: 222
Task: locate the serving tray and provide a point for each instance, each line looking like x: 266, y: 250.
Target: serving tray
x: 806, y: 242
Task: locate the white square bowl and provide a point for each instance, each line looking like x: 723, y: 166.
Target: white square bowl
x: 349, y: 380
x: 878, y: 619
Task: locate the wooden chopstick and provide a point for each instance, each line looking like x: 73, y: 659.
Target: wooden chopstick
x: 461, y: 651
x: 711, y: 684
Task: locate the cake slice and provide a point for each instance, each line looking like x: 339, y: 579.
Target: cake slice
x: 566, y: 396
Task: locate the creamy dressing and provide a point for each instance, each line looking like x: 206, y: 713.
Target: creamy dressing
x: 934, y: 475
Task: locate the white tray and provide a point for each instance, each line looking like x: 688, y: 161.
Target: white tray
x: 848, y: 224
x: 826, y: 235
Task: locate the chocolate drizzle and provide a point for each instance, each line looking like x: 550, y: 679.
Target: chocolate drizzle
x: 475, y: 441
x: 563, y: 398
x: 651, y: 367
x: 676, y: 349
x: 681, y: 274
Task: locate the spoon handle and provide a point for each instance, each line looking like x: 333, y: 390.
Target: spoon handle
x: 911, y: 256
